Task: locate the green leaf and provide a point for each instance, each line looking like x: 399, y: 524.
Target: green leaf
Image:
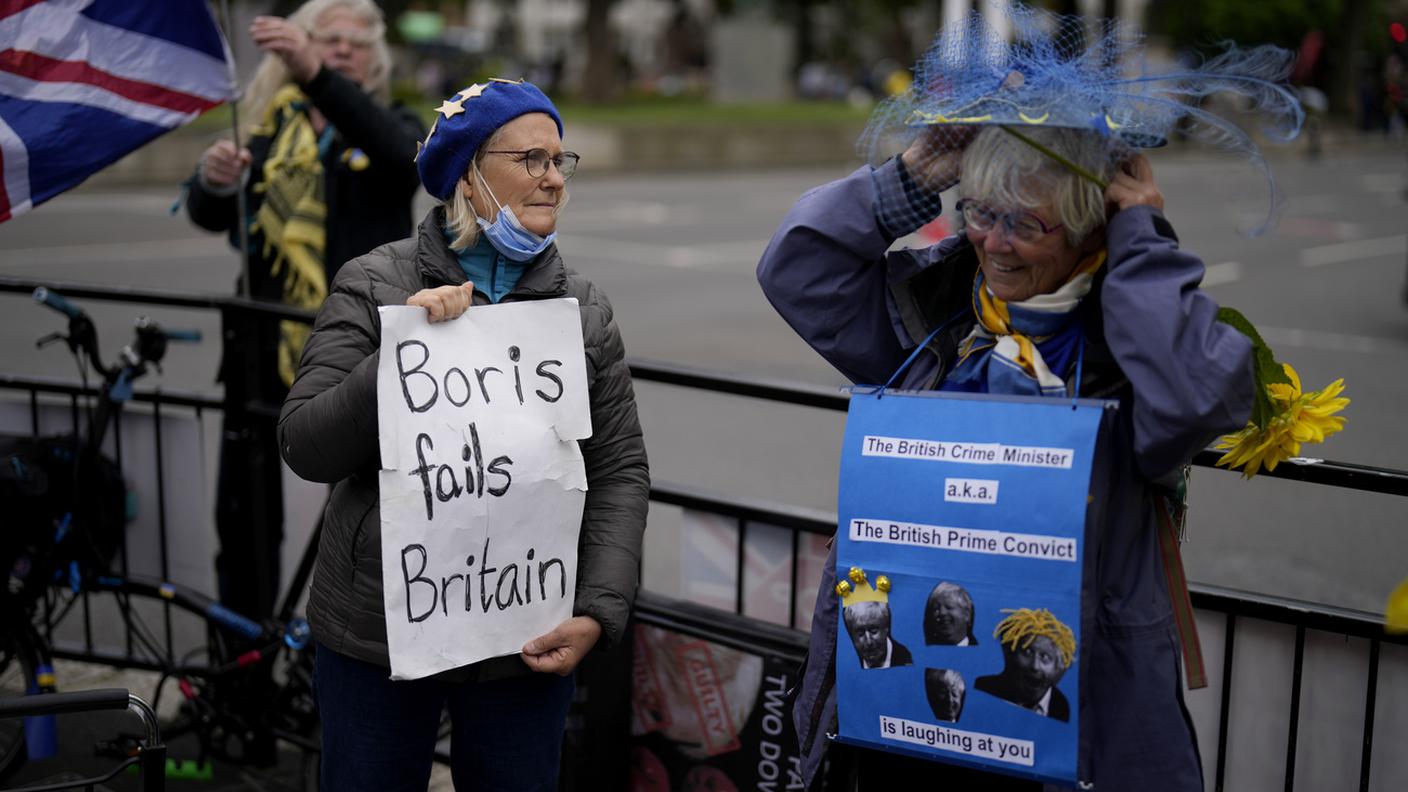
x: 1060, y: 160
x: 1266, y: 369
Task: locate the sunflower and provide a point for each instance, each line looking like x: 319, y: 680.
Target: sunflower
x: 1297, y: 417
x: 1396, y: 614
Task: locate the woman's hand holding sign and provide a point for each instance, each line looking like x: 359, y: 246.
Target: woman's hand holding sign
x: 561, y: 650
x: 444, y: 303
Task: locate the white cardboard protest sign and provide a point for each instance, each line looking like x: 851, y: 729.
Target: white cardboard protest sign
x: 482, y: 479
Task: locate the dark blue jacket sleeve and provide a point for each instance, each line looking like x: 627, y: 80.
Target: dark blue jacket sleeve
x: 1191, y: 375
x: 827, y: 272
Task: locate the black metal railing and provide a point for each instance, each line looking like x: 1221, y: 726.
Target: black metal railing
x: 69, y: 398
x: 734, y: 629
x: 1328, y: 472
x: 1233, y: 604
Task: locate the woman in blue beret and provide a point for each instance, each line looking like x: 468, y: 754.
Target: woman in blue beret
x: 494, y: 159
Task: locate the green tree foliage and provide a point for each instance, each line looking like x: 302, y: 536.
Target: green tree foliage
x: 601, y: 81
x: 1200, y: 24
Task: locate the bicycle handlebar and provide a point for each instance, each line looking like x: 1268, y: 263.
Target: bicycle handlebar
x: 184, y: 336
x: 148, y: 347
x: 61, y: 703
x: 149, y: 327
x: 56, y: 301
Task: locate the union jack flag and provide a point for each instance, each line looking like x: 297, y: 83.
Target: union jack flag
x: 83, y: 82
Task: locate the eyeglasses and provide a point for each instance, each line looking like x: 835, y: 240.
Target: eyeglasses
x: 1022, y: 225
x: 334, y: 38
x: 536, y: 161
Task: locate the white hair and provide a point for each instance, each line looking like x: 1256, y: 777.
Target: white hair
x: 1000, y: 169
x: 272, y: 74
x: 948, y: 676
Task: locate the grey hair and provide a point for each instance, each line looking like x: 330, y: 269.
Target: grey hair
x: 952, y: 588
x: 849, y: 616
x: 1000, y: 169
x: 273, y: 75
x: 460, y: 218
x: 950, y: 677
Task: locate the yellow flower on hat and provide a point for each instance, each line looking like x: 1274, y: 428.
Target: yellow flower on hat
x: 1297, y: 417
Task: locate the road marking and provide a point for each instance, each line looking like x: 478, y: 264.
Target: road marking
x: 1224, y: 273
x: 1381, y: 182
x: 702, y: 256
x: 1314, y: 204
x: 1359, y: 249
x: 155, y: 205
x: 1316, y: 227
x: 1330, y: 342
x: 118, y: 252
x: 625, y: 214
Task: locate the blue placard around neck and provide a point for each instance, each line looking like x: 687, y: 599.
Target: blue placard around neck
x: 978, y: 499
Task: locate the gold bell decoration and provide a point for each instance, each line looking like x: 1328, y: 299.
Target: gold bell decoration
x: 858, y: 588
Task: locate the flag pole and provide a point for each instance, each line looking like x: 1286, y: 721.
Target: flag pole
x: 241, y: 201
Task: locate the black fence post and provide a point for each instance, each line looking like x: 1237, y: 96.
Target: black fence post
x: 249, y: 502
x: 597, y: 744
x: 249, y: 496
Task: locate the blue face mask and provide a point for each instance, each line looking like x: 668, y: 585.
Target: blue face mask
x: 507, y: 234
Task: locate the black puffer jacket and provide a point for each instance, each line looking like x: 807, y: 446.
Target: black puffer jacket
x: 328, y: 432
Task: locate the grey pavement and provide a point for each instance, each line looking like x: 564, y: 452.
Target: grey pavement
x: 676, y: 252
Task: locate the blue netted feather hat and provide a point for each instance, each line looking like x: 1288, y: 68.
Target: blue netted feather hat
x: 1024, y: 68
x: 467, y: 119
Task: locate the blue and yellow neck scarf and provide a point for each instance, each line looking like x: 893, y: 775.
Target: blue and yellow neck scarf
x: 1023, y: 348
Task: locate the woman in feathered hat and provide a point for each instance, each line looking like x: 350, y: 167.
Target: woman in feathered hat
x: 1065, y: 278
x: 494, y: 158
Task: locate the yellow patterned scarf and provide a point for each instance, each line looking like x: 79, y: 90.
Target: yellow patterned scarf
x: 293, y: 217
x: 1011, y: 344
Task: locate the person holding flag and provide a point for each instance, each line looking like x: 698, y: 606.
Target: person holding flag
x: 327, y: 174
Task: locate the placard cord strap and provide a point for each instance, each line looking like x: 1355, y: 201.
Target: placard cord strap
x: 920, y: 348
x: 1080, y: 365
x: 1178, y: 597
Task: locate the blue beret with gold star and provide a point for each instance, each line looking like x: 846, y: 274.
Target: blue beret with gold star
x: 467, y: 119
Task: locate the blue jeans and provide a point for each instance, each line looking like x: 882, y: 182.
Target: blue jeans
x: 379, y: 734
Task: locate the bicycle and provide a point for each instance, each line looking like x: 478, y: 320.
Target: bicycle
x: 66, y: 553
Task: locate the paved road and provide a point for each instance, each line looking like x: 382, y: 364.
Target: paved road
x: 676, y: 253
